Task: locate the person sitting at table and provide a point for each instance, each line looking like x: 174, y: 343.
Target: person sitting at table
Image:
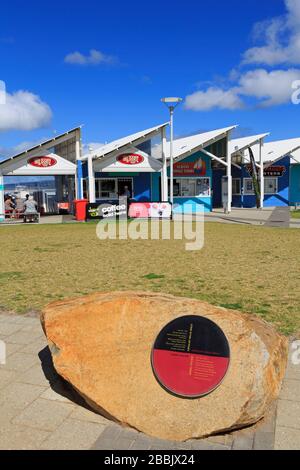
x: 30, y: 206
x: 9, y: 207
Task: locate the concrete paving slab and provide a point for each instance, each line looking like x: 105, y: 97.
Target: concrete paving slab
x: 24, y: 337
x: 20, y: 362
x: 288, y: 414
x: 23, y: 438
x: 280, y: 217
x: 83, y: 414
x: 50, y: 394
x: 44, y: 414
x: 243, y: 442
x: 12, y: 348
x: 73, y: 435
x: 35, y: 347
x: 263, y: 441
x: 291, y: 390
x: 6, y: 377
x: 287, y: 438
x: 34, y: 376
x: 7, y: 329
x: 19, y: 395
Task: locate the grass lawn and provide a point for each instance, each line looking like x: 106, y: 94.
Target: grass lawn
x: 252, y: 269
x: 295, y: 214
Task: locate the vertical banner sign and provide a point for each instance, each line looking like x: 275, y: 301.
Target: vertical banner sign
x: 255, y: 178
x: 190, y: 357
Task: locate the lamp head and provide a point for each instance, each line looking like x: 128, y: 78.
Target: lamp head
x: 171, y: 100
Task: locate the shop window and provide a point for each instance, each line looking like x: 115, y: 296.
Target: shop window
x: 188, y: 188
x: 203, y: 187
x: 236, y: 186
x: 271, y: 186
x: 191, y: 187
x: 106, y: 188
x: 248, y: 186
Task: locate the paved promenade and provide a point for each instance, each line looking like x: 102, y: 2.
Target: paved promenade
x: 40, y: 411
x: 268, y: 217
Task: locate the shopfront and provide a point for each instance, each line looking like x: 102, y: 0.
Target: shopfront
x: 56, y: 159
x: 194, y: 157
x: 192, y: 184
x: 277, y: 165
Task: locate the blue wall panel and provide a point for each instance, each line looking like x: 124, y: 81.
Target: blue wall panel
x: 295, y: 184
x: 249, y: 201
x: 142, y: 187
x: 273, y: 200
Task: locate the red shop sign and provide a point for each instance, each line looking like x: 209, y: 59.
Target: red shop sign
x: 196, y: 168
x: 42, y: 162
x: 130, y: 159
x: 274, y: 170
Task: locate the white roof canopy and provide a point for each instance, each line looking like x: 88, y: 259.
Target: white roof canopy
x: 295, y: 157
x: 241, y: 144
x: 43, y: 146
x: 187, y: 145
x: 274, y: 151
x: 133, y: 139
x: 40, y: 161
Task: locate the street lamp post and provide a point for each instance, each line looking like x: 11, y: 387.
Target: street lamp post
x: 171, y: 103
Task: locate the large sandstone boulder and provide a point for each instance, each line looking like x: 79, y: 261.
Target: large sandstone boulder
x: 102, y: 344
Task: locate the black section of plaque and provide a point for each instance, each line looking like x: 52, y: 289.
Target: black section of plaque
x: 193, y: 334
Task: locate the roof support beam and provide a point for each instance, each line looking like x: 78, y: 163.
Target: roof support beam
x: 211, y: 155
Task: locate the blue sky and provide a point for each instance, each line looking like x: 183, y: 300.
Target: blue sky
x: 233, y: 63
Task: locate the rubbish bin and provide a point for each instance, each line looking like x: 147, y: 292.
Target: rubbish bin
x: 80, y: 209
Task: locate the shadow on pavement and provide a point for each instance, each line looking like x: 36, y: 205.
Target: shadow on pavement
x: 62, y: 387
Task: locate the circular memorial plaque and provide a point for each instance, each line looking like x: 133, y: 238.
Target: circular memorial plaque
x: 190, y: 356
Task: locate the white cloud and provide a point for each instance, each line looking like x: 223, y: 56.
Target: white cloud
x: 262, y: 87
x: 86, y: 148
x: 271, y: 88
x: 24, y: 111
x: 267, y: 88
x: 213, y: 97
x: 280, y: 37
x: 94, y: 57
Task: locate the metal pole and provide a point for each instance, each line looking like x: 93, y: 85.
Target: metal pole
x: 164, y: 175
x: 229, y: 177
x: 262, y: 178
x: 78, y: 178
x: 2, y: 207
x: 91, y: 178
x: 171, y: 154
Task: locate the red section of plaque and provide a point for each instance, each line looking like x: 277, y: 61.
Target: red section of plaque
x: 42, y: 162
x: 130, y: 159
x: 188, y: 375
